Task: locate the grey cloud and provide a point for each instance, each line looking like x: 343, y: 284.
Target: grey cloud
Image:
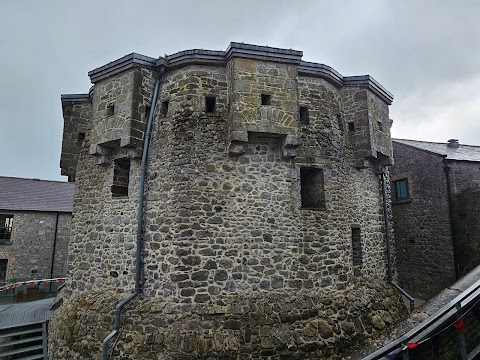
x: 410, y: 47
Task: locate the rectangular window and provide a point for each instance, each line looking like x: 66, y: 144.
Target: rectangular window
x: 164, y: 108
x: 357, y: 253
x: 401, y: 189
x: 210, y: 104
x: 3, y: 270
x: 351, y: 126
x: 304, y: 118
x: 312, y: 188
x: 6, y: 226
x: 121, y: 177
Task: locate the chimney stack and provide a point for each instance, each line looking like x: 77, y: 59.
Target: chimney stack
x: 453, y: 143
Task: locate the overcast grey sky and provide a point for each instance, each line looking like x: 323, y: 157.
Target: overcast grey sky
x: 425, y: 52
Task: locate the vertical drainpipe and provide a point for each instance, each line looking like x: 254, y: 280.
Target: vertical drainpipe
x: 446, y: 169
x: 53, y: 252
x: 138, y: 254
x: 388, y: 245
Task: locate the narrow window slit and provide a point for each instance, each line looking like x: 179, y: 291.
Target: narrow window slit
x: 304, y: 116
x: 351, y: 126
x: 164, y: 108
x: 121, y: 177
x: 110, y: 109
x: 210, y: 104
x: 357, y: 252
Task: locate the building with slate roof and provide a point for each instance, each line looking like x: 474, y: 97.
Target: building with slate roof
x: 436, y: 211
x: 35, y: 218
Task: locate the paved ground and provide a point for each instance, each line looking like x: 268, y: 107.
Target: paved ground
x: 420, y: 314
x: 25, y: 313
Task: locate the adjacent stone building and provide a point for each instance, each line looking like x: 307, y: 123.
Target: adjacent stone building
x: 436, y: 210
x: 263, y: 228
x: 35, y: 217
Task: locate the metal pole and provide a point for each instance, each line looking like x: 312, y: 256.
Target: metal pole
x: 461, y: 336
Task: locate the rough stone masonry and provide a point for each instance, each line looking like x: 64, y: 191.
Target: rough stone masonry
x: 263, y: 230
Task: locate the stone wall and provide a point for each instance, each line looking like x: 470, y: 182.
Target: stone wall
x: 424, y: 249
x: 31, y: 248
x: 291, y: 326
x: 467, y: 229
x: 226, y: 242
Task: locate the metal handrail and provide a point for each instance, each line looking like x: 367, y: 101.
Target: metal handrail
x: 432, y: 323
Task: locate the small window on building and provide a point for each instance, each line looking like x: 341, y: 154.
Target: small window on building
x: 164, y: 108
x: 210, y: 104
x: 3, y: 270
x: 266, y: 99
x: 401, y: 189
x: 110, y: 110
x: 81, y: 136
x: 304, y: 118
x: 340, y: 122
x: 312, y: 188
x: 6, y: 226
x: 351, y: 126
x: 380, y: 125
x: 121, y: 177
x: 357, y: 253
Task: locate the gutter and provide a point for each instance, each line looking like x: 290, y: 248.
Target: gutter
x: 387, y: 241
x: 138, y: 254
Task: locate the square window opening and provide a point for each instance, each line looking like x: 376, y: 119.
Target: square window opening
x: 351, y: 126
x: 110, y: 110
x: 121, y: 177
x: 401, y: 190
x: 81, y: 136
x: 210, y: 104
x: 6, y: 227
x: 312, y: 188
x: 266, y: 99
x: 304, y: 117
x: 357, y: 252
x: 164, y: 108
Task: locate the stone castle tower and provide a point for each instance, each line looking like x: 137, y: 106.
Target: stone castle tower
x: 263, y: 230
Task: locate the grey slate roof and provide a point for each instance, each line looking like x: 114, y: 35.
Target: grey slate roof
x: 462, y: 153
x: 36, y: 195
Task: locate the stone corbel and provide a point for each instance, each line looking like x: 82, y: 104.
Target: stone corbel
x: 102, y: 154
x: 237, y: 139
x: 289, y: 146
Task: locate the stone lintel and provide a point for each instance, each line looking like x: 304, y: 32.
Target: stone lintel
x: 103, y: 160
x: 99, y: 150
x: 239, y: 136
x: 134, y: 153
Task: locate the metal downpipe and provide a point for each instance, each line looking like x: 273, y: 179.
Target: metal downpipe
x: 389, y: 253
x: 138, y: 254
